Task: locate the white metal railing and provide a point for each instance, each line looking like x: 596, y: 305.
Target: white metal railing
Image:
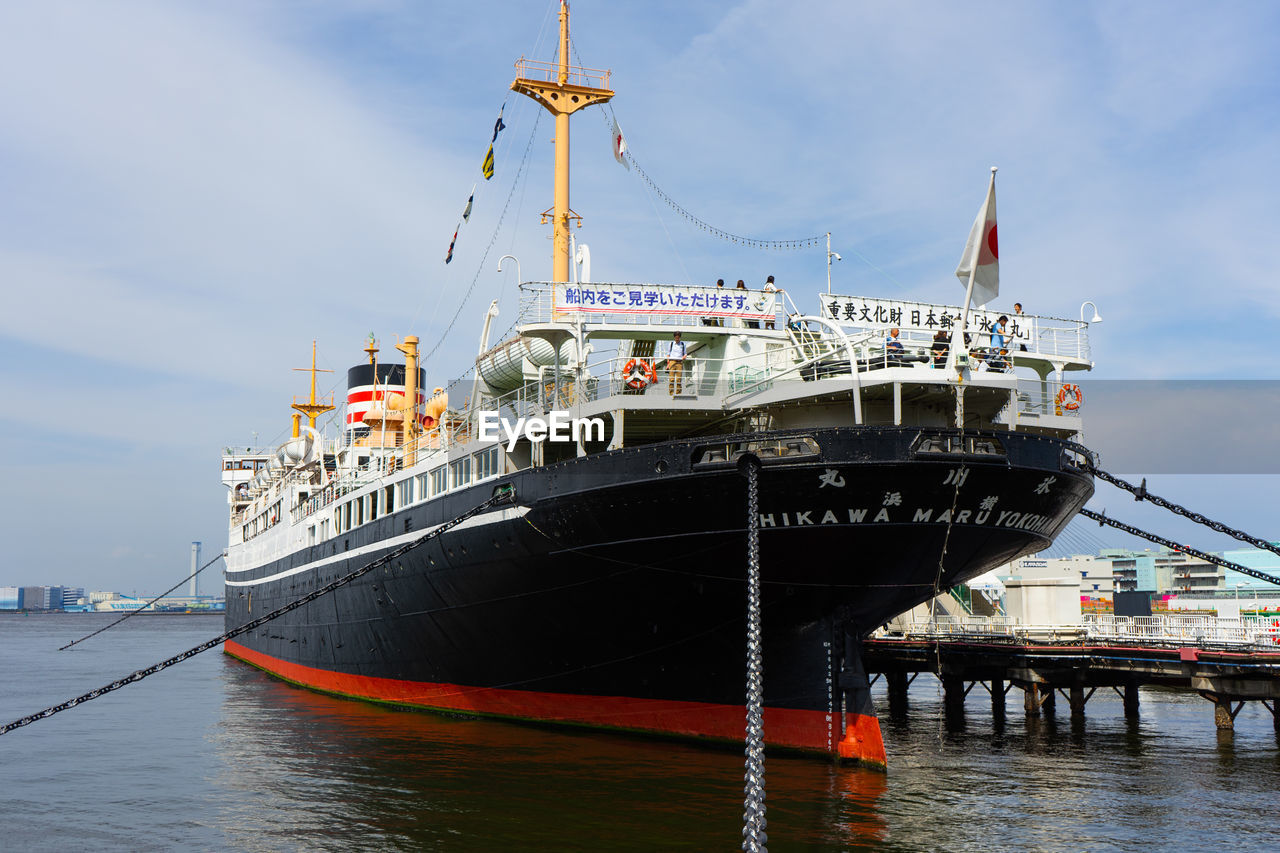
x: 1025, y: 334
x: 1259, y: 631
x: 1245, y: 630
x: 1036, y: 398
x: 1045, y: 337
x: 983, y: 627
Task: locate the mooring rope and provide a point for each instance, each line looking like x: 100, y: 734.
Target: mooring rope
x: 504, y: 494
x: 1140, y: 493
x: 132, y: 613
x: 1102, y: 519
x: 754, y: 836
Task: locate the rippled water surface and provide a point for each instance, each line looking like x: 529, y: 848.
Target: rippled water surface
x: 214, y: 755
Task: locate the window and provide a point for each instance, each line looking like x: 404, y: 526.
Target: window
x: 439, y: 481
x: 311, y: 535
x: 324, y: 530
x: 487, y: 463
x: 460, y: 472
x: 359, y: 520
x: 388, y: 500
x: 421, y: 480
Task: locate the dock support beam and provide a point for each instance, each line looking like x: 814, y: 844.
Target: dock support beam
x: 997, y: 697
x: 953, y: 694
x: 1224, y: 716
x: 897, y: 683
x: 1077, y: 698
x: 1037, y: 697
x: 1131, y: 700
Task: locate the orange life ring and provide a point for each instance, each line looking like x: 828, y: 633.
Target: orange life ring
x: 1070, y: 397
x: 639, y: 373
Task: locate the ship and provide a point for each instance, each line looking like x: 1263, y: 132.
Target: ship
x: 899, y: 453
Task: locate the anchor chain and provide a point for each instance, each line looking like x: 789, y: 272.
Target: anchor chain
x: 1140, y: 493
x: 1101, y: 518
x: 503, y: 495
x: 754, y: 836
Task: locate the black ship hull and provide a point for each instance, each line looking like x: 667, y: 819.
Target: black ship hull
x: 613, y: 593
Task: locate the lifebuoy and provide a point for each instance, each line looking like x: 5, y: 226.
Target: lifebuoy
x: 639, y: 373
x: 1070, y: 397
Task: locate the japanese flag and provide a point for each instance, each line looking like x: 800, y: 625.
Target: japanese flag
x: 981, y: 255
x: 620, y: 146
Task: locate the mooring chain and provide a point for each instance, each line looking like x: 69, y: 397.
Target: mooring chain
x: 754, y: 837
x: 501, y: 496
x: 1101, y: 518
x: 1140, y: 493
x: 138, y: 610
x: 960, y: 474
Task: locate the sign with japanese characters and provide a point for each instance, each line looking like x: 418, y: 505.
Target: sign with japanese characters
x: 864, y: 313
x: 665, y: 300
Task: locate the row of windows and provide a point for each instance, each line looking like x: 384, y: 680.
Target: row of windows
x: 357, y: 511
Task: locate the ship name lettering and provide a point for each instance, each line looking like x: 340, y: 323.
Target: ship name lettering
x: 922, y: 515
x: 962, y: 517
x: 1003, y: 515
x: 803, y: 517
x: 882, y: 515
x: 857, y: 515
x: 981, y: 518
x: 830, y: 518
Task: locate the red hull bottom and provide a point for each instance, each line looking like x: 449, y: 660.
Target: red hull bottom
x: 810, y: 731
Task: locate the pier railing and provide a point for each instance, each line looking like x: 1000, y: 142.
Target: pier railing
x: 1253, y: 632
x: 1244, y: 630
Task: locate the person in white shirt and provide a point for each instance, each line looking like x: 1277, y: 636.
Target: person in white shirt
x: 675, y: 365
x: 768, y: 301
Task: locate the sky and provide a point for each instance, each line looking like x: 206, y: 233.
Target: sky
x: 191, y: 193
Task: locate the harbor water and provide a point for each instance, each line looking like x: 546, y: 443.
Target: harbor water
x: 214, y: 755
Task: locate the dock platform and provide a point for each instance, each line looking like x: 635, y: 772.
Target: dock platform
x: 1227, y: 661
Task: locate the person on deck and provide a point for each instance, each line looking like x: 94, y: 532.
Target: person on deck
x: 749, y: 324
x: 1017, y: 315
x: 999, y: 334
x: 675, y: 365
x: 768, y: 301
x: 715, y: 321
x: 941, y: 346
x: 893, y: 349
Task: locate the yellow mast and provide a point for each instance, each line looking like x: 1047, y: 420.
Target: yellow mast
x: 410, y: 350
x: 311, y: 408
x: 563, y: 90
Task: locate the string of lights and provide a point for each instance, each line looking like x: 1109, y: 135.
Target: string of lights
x: 818, y: 241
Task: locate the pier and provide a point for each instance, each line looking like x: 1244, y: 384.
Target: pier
x: 1227, y: 661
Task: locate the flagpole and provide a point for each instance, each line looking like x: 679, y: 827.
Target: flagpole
x: 964, y: 313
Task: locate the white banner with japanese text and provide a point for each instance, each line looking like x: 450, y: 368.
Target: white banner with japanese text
x: 864, y: 313
x: 665, y: 300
